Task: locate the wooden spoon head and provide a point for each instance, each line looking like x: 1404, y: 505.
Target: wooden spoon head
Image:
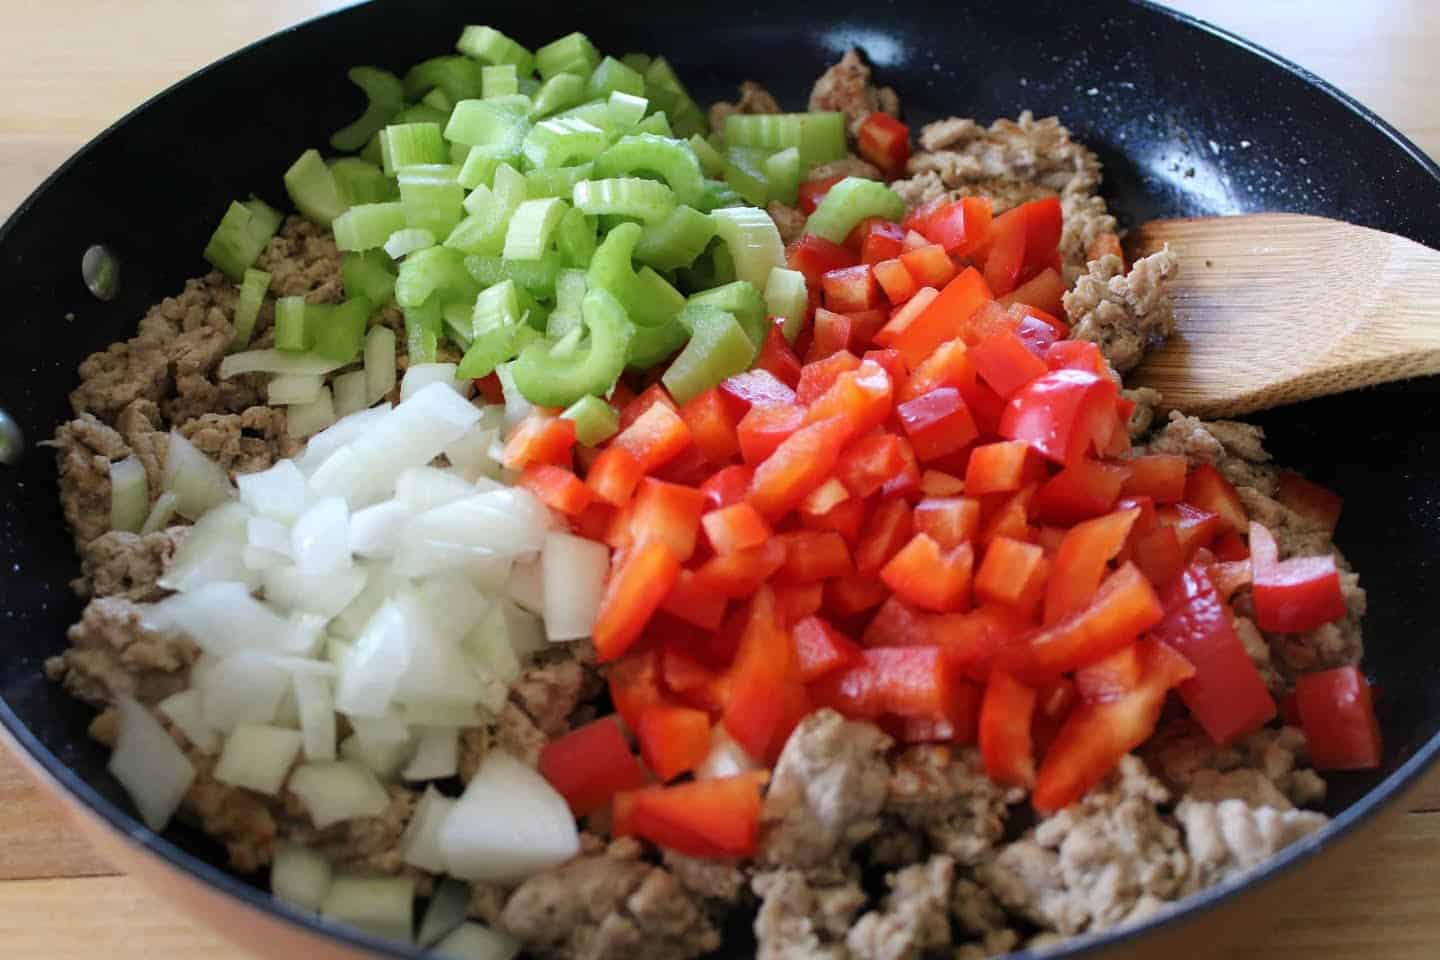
x: 1274, y: 308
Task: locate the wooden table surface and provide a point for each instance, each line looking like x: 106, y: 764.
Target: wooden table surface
x: 68, y: 68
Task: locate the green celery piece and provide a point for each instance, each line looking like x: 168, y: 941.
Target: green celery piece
x: 782, y: 169
x: 385, y: 96
x: 339, y: 334
x: 290, y: 332
x: 368, y: 225
x: 482, y: 162
x: 646, y: 297
x: 594, y: 112
x: 560, y: 92
x: 850, y: 201
x: 688, y: 120
x: 677, y: 240
x: 650, y: 345
x: 371, y: 152
x: 557, y: 182
x: 370, y: 274
x: 535, y: 314
x: 536, y: 276
x: 740, y: 299
x: 494, y: 322
x: 432, y: 197
x: 362, y: 182
x: 786, y: 296
x: 528, y: 235
x: 434, y: 273
x: 407, y: 241
x: 421, y: 113
x: 496, y: 306
x: 572, y: 53
x: 459, y: 153
x: 457, y: 326
x: 625, y: 110
x: 241, y: 236
x: 568, y: 345
x: 820, y: 137
x: 570, y: 287
x: 555, y: 382
x: 479, y: 123
x: 712, y: 162
x: 575, y: 238
x: 560, y: 322
x: 754, y: 241
x: 647, y: 200
x: 492, y: 348
x: 409, y: 144
x: 718, y: 348
x: 492, y: 47
x: 672, y: 160
x: 313, y: 189
x: 247, y: 308
x: 713, y: 268
x: 745, y: 171
x: 561, y: 141
x: 657, y: 124
x: 438, y: 99
x: 718, y: 194
x: 610, y: 76
x: 638, y: 62
x: 595, y: 420
x: 500, y: 80
x: 458, y: 77
x: 423, y: 327
x: 667, y: 93
x: 483, y: 232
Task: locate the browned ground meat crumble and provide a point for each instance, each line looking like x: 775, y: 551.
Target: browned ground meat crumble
x: 965, y: 874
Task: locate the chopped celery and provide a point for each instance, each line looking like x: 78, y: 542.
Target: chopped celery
x: 532, y: 311
x: 368, y: 225
x: 575, y: 237
x: 241, y: 236
x: 561, y: 141
x: 656, y: 123
x: 406, y: 144
x: 559, y: 92
x: 434, y: 271
x: 650, y: 345
x: 528, y: 235
x: 545, y: 379
x: 537, y: 276
x: 594, y: 112
x: 712, y: 268
x: 482, y: 162
x: 745, y: 171
x: 625, y: 110
x: 497, y: 331
x: 786, y: 296
x: 636, y: 61
x: 459, y: 326
x: 495, y: 307
x: 560, y: 322
x: 667, y: 93
x: 290, y: 324
x: 360, y: 181
x: 479, y: 123
x: 672, y: 160
x: 646, y: 297
x: 370, y: 275
x: 431, y: 197
x: 647, y: 200
x: 572, y: 53
x: 719, y: 194
x: 371, y: 152
x: 252, y: 294
x: 339, y: 333
x: 423, y: 325
x: 570, y: 287
x: 407, y: 241
x: 820, y: 137
x: 753, y: 240
x: 421, y: 113
x: 438, y: 99
x: 677, y: 240
x: 782, y: 169
x: 499, y: 81
x: 850, y: 201
x: 613, y: 76
x: 712, y: 162
x: 718, y: 348
x: 557, y: 182
x: 385, y: 95
x: 483, y: 232
x: 595, y: 420
x: 458, y: 77
x: 313, y: 189
x: 490, y: 46
x: 740, y: 299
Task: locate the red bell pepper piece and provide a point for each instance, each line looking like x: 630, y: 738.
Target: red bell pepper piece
x: 1125, y: 607
x: 830, y: 333
x: 1111, y: 677
x: 906, y: 483
x: 634, y: 684
x: 673, y: 740
x: 1337, y: 713
x: 1084, y: 489
x: 1044, y: 291
x: 490, y: 388
x: 691, y: 602
x: 1010, y: 518
x: 1076, y: 355
x: 736, y: 527
x: 864, y: 324
x: 973, y: 639
x: 692, y: 681
x: 845, y: 518
x: 949, y: 521
x: 593, y: 523
x: 762, y: 430
x: 814, y: 555
x: 1294, y: 595
x: 669, y: 513
x: 825, y: 497
x: 589, y: 765
x: 557, y: 488
x: 925, y: 322
x: 1013, y: 573
x: 885, y: 142
x: 1005, y: 363
x: 949, y: 366
x: 924, y: 575
x: 1158, y: 554
x: 655, y: 438
x: 814, y: 257
x: 961, y: 226
x: 1061, y: 413
x: 727, y: 486
x: 876, y: 239
x: 813, y: 191
x: 891, y: 362
x: 958, y: 728
x: 1159, y: 476
x: 861, y: 399
x: 799, y: 600
x: 821, y: 649
x: 938, y: 483
x: 817, y: 378
x: 800, y: 464
x: 1230, y: 547
x: 631, y: 410
x: 850, y: 288
x: 885, y: 532
x: 1104, y: 245
x: 937, y: 423
x: 1194, y: 528
x: 849, y: 596
x: 764, y: 668
x: 778, y: 358
x: 1082, y: 560
x: 754, y: 388
x: 540, y: 438
x: 867, y: 464
x: 638, y: 585
x: 1230, y: 576
x: 1319, y: 505
x: 897, y: 624
x: 898, y: 283
x: 1001, y: 467
x: 741, y: 573
x: 712, y: 426
x: 1207, y: 489
x: 930, y: 265
x: 905, y: 681
x: 714, y: 819
x: 614, y: 475
x: 1005, y: 719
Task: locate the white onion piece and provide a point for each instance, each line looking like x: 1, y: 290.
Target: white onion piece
x: 222, y: 618
x: 383, y: 760
x: 299, y: 876
x: 351, y: 393
x: 423, y: 488
x: 269, y: 535
x: 380, y: 905
x: 420, y: 843
x: 517, y: 408
x: 279, y: 493
x: 320, y: 539
x: 509, y: 824
x: 386, y: 730
x: 437, y: 755
x: 276, y: 361
x: 258, y: 757
x: 379, y: 362
x: 499, y: 523
x: 323, y: 594
x: 336, y: 650
x: 452, y: 605
x: 421, y: 375
x: 475, y: 941
x: 449, y: 906
x: 287, y: 715
x: 574, y: 576
x: 726, y: 758
x: 349, y: 623
x: 162, y: 511
x: 149, y: 765
x: 527, y: 585
x: 436, y: 669
x: 470, y: 455
x: 186, y: 713
x: 198, y: 482
x: 319, y: 448
x: 524, y: 632
x: 129, y: 495
x: 304, y: 419
x: 316, y: 705
x: 338, y: 791
x: 495, y: 662
x: 289, y: 389
x: 487, y: 573
x: 244, y: 688
x: 441, y: 714
x: 375, y: 530
x: 372, y: 671
x: 257, y: 560
x: 213, y: 551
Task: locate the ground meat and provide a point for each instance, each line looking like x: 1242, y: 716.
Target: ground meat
x: 1125, y: 314
x: 1227, y: 838
x: 516, y: 734
x: 753, y: 99
x: 246, y: 822
x: 848, y: 166
x: 788, y: 220
x: 364, y: 844
x: 1295, y: 534
x: 799, y: 920
x: 946, y: 795
x: 242, y: 442
x: 121, y: 564
x: 84, y: 450
x: 1096, y: 863
x: 1260, y: 653
x: 303, y: 261
x: 914, y: 917
x: 846, y: 87
x: 976, y: 910
x: 1143, y: 416
x: 549, y: 693
x: 144, y: 432
x: 718, y: 880
x: 1235, y: 449
x: 487, y: 902
x: 1335, y: 644
x: 609, y: 906
x: 113, y: 654
x: 1189, y: 763
x: 826, y: 791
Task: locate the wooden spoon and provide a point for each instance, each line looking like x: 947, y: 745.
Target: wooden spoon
x: 1273, y: 308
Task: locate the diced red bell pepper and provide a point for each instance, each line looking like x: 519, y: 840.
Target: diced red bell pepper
x: 814, y: 555
x: 778, y: 358
x: 927, y: 321
x: 989, y: 319
x: 815, y: 256
x: 1158, y: 554
x: 618, y: 536
x: 821, y: 649
x: 635, y: 590
x: 1230, y: 547
x: 490, y: 388
x: 800, y: 464
x: 1001, y: 467
x: 631, y: 410
x: 949, y: 366
x: 861, y: 399
x: 634, y: 684
x: 827, y: 496
x: 924, y: 575
x: 845, y: 518
x: 974, y: 638
x: 741, y: 573
x: 1082, y: 560
x: 868, y: 463
x: 1317, y: 504
x: 875, y: 239
x: 1096, y: 735
x: 1337, y: 713
x: 614, y: 475
x: 1230, y: 576
x: 906, y: 483
x: 1044, y: 291
x: 1013, y: 573
x: 712, y: 426
x: 1061, y: 413
x: 1110, y: 678
x: 673, y: 740
x: 885, y: 142
x: 799, y: 600
x: 762, y: 430
x: 898, y: 283
x: 594, y: 521
x: 590, y: 764
x: 949, y: 521
x: 1011, y: 518
x: 817, y: 378
x: 937, y: 423
x: 655, y: 438
x: 891, y: 362
x: 960, y: 226
x: 765, y: 666
x: 1125, y: 606
x: 727, y: 486
x: 1025, y: 236
x: 1227, y: 696
x: 1053, y: 702
x: 692, y: 681
x: 669, y: 513
x: 886, y: 531
x: 690, y: 601
x: 905, y: 681
x: 813, y: 191
x: 930, y: 265
x: 540, y: 438
x: 1294, y: 595
x: 736, y: 527
x: 1005, y: 720
x: 1207, y: 489
x: 897, y: 624
x: 1076, y: 355
x: 1005, y: 363
x: 938, y: 483
x: 714, y: 819
x: 1159, y: 476
x: 1194, y: 527
x: 755, y: 388
x: 1083, y: 490
x: 849, y: 596
x: 830, y: 333
x: 851, y: 288
x: 1036, y: 335
x: 557, y: 488
x: 958, y: 728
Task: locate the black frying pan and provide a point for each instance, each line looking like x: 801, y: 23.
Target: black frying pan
x: 1188, y: 121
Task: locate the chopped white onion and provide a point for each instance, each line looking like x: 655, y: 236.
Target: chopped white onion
x: 351, y: 393
x: 149, y: 765
x: 475, y: 941
x: 300, y: 876
x: 726, y: 758
x: 470, y: 455
x: 269, y: 535
x: 509, y: 522
x: 386, y: 730
x: 258, y: 757
x: 449, y: 906
x: 162, y: 511
x: 375, y: 530
x: 222, y: 618
x: 323, y: 594
x: 320, y: 539
x: 276, y: 361
x: 495, y: 661
x: 379, y: 362
x: 527, y: 584
x: 383, y: 906
x: 349, y: 623
x: 574, y: 578
x: 186, y: 712
x: 279, y: 493
x: 423, y: 488
x: 509, y: 824
x: 289, y: 389
x: 517, y: 408
x: 257, y: 560
x: 420, y: 843
x: 421, y: 375
x: 372, y: 671
x: 287, y: 715
x: 197, y: 481
x: 436, y: 668
x: 304, y: 419
x: 319, y: 448
x: 437, y: 755
x: 524, y: 633
x: 338, y: 791
x: 213, y: 551
x: 244, y: 688
x: 129, y: 495
x: 441, y: 714
x: 315, y: 702
x: 383, y: 760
